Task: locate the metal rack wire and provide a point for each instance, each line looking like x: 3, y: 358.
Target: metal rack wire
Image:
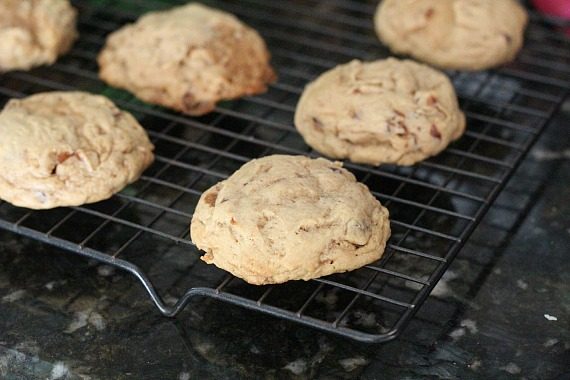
x: 434, y: 205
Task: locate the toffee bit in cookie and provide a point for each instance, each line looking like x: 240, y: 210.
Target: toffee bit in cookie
x: 210, y: 198
x: 63, y: 156
x: 317, y: 124
x: 116, y: 115
x: 431, y: 100
x: 435, y: 132
x: 192, y: 104
x: 403, y: 127
x: 60, y: 159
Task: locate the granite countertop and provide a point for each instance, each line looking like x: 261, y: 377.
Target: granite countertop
x: 502, y: 311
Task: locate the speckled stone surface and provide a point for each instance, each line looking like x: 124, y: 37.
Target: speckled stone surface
x: 501, y: 312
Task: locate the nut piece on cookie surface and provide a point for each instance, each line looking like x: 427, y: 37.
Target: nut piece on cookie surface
x: 35, y: 32
x: 68, y: 149
x: 453, y: 34
x: 187, y: 58
x: 387, y: 111
x: 281, y: 218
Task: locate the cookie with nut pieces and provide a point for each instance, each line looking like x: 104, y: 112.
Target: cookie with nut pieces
x: 187, y: 58
x: 386, y: 111
x: 453, y: 34
x: 281, y: 218
x: 68, y: 149
x: 35, y: 32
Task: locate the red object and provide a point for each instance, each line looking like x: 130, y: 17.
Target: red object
x: 556, y: 8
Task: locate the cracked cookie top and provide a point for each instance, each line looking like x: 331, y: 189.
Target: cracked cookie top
x: 281, y: 218
x: 187, y: 58
x: 34, y: 32
x: 67, y: 149
x: 386, y: 111
x: 453, y: 34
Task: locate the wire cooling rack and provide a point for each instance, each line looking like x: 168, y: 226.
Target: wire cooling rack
x: 434, y: 205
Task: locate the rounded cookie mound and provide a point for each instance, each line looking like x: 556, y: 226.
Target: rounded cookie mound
x: 282, y: 218
x: 387, y: 111
x: 67, y: 149
x: 187, y: 58
x: 454, y: 34
x: 34, y: 32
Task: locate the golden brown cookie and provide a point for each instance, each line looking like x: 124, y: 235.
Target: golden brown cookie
x: 67, y: 149
x: 187, y: 58
x: 281, y: 218
x: 386, y: 111
x: 453, y: 34
x: 34, y: 32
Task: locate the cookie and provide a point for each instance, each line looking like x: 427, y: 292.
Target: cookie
x: 34, y: 32
x: 453, y: 34
x: 187, y: 58
x: 386, y: 111
x: 67, y: 149
x: 281, y: 218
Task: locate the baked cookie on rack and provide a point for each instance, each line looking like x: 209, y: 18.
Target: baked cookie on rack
x: 281, y: 218
x: 187, y: 58
x: 67, y: 149
x: 453, y: 34
x: 386, y: 111
x: 34, y: 32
